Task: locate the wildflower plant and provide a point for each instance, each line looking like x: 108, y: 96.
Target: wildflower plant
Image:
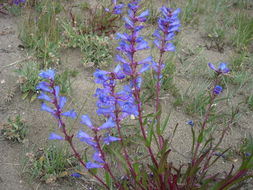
x: 100, y: 19
x: 118, y: 103
x: 14, y: 130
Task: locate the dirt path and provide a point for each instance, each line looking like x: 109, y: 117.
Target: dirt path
x: 10, y: 178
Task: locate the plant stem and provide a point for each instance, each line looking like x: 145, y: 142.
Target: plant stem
x: 136, y: 90
x: 69, y: 138
x: 203, y: 126
x: 117, y: 111
x: 106, y: 165
x: 206, y: 117
x: 158, y: 106
x: 232, y: 179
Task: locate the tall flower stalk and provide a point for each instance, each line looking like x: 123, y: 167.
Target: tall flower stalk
x: 51, y: 94
x: 116, y: 105
x: 168, y: 24
x: 129, y: 45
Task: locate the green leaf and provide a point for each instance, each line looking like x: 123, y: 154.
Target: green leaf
x: 108, y: 180
x: 121, y: 158
x: 24, y: 96
x: 163, y: 162
x: 150, y: 135
x: 200, y: 137
x: 33, y: 98
x: 136, y: 167
x: 165, y: 123
x: 193, y: 139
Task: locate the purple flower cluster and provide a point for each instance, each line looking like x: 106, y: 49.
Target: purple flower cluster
x: 217, y: 90
x: 222, y: 69
x: 131, y: 43
x: 168, y: 24
x: 51, y: 94
x: 17, y: 2
x: 94, y: 142
x: 117, y: 9
x: 109, y: 99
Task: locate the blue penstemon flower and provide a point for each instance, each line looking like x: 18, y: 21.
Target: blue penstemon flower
x: 217, y: 90
x: 50, y: 93
x: 117, y: 9
x: 222, y: 69
x: 168, y: 24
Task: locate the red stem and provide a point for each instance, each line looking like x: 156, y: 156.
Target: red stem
x: 106, y: 165
x: 232, y: 179
x: 136, y: 93
x: 69, y: 138
x: 158, y: 89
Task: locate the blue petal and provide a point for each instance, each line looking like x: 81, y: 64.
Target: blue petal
x: 55, y: 136
x: 170, y: 36
x: 100, y: 76
x: 117, y: 69
x: 139, y: 81
x: 147, y: 60
x: 72, y: 114
x: 118, y: 9
x: 142, y: 45
x: 49, y: 74
x: 81, y: 134
x: 45, y: 107
x: 97, y: 157
x: 127, y: 69
x: 121, y: 36
x: 190, y: 122
x: 84, y: 137
x: 108, y: 124
x: 43, y: 96
x: 91, y: 165
x: 57, y: 91
x: 157, y: 34
x: 169, y: 47
x: 105, y: 111
x: 129, y: 23
x: 62, y: 101
x: 133, y: 6
x: 211, y: 66
x: 86, y: 121
x: 223, y: 68
x: 121, y: 59
x: 217, y: 90
x: 109, y: 139
x: 157, y: 43
x: 138, y: 28
x: 247, y: 154
x: 144, y: 68
x: 176, y: 12
x: 142, y: 16
x: 44, y: 86
x: 130, y: 13
x: 76, y: 175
